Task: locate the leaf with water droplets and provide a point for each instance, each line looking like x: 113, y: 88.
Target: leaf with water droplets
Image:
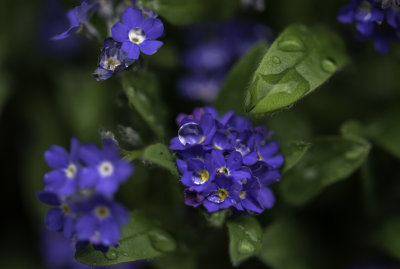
x: 143, y: 94
x: 232, y: 91
x: 160, y: 155
x: 383, y: 130
x: 293, y: 152
x: 245, y: 238
x: 328, y: 160
x: 299, y: 61
x: 140, y: 240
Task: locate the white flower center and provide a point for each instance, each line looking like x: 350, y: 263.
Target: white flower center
x: 111, y: 63
x: 102, y: 212
x: 71, y: 170
x: 106, y: 169
x: 137, y: 35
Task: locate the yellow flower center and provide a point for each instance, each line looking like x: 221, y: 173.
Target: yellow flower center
x: 222, y: 194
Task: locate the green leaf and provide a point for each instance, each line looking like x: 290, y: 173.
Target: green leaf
x: 160, y: 155
x: 389, y: 237
x: 140, y: 240
x: 233, y: 90
x: 143, y: 94
x: 299, y: 61
x: 293, y: 152
x: 286, y: 244
x: 217, y: 219
x: 184, y: 12
x: 245, y: 238
x: 329, y: 160
x: 383, y: 130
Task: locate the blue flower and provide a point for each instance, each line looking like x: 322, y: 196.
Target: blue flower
x: 226, y: 162
x: 254, y: 197
x: 77, y: 17
x: 104, y: 169
x: 213, y: 49
x: 59, y: 218
x: 222, y: 193
x: 112, y: 60
x: 200, y: 87
x: 100, y: 222
x: 62, y: 179
x: 137, y: 35
x: 373, y: 22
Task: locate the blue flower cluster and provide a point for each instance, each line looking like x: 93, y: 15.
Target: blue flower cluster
x: 376, y: 20
x: 136, y: 34
x: 226, y: 162
x: 213, y: 49
x: 81, y: 187
x: 58, y: 253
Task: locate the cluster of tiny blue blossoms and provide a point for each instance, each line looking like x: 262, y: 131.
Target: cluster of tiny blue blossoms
x: 136, y: 33
x: 376, y: 20
x: 226, y: 162
x: 81, y: 188
x: 212, y: 50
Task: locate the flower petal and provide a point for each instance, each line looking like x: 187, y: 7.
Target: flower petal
x: 150, y: 47
x: 132, y: 17
x: 132, y: 50
x: 56, y: 157
x: 54, y: 219
x: 109, y: 232
x: 153, y: 28
x: 120, y: 32
x: 85, y: 227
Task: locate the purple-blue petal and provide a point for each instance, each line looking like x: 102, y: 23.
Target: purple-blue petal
x: 54, y: 219
x: 85, y: 227
x: 150, y: 47
x: 90, y: 154
x: 153, y: 28
x: 109, y: 232
x: 132, y: 17
x: 123, y: 170
x: 120, y: 32
x: 49, y: 198
x: 56, y: 157
x: 88, y: 177
x: 131, y: 49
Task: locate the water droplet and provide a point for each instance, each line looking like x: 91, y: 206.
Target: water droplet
x: 354, y: 153
x: 328, y: 65
x: 245, y: 247
x: 242, y: 148
x: 161, y: 241
x: 200, y: 176
x: 111, y: 255
x: 276, y: 60
x: 291, y: 43
x: 310, y: 174
x: 191, y: 133
x: 125, y: 254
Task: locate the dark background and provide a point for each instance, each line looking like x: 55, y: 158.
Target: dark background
x: 47, y: 95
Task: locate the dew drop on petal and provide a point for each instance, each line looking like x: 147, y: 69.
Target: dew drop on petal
x: 200, y: 176
x: 190, y: 134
